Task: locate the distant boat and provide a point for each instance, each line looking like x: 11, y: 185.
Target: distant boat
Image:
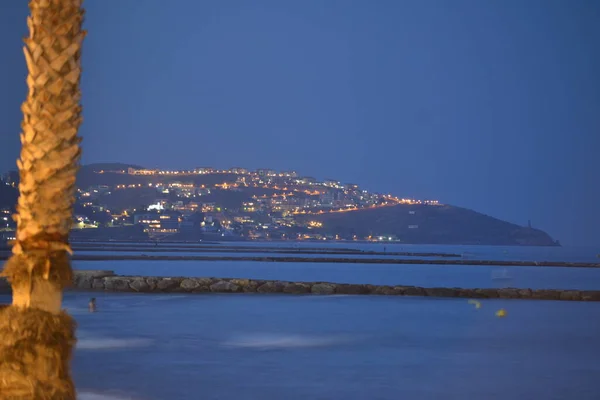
x: 501, y: 275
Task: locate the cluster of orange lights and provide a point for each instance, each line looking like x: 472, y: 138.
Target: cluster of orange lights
x: 338, y: 210
x: 284, y: 191
x: 129, y: 186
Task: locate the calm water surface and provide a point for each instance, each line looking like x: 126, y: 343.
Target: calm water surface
x: 333, y: 347
x: 244, y: 346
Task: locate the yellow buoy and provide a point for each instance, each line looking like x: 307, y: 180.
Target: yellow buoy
x: 501, y: 313
x: 476, y: 303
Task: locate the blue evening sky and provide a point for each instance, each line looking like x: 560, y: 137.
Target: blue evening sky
x: 488, y: 104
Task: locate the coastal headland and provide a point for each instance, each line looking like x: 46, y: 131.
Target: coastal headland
x: 119, y: 202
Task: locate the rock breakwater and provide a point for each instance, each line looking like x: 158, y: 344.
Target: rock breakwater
x: 102, y: 280
x: 236, y: 285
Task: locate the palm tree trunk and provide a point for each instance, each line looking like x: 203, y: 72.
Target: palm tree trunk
x: 36, y: 337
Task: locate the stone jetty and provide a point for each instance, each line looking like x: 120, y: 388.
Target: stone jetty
x: 103, y: 280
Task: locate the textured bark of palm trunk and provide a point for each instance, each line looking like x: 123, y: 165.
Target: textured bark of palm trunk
x: 43, y: 295
x: 36, y: 337
x: 35, y: 353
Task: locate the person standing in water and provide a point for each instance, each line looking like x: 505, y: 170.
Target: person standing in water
x: 92, y: 304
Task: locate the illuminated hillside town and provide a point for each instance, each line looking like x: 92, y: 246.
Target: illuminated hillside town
x: 211, y: 203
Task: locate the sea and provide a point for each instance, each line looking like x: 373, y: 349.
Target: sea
x: 253, y: 346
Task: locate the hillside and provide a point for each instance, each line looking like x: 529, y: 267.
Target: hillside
x: 108, y: 167
x: 88, y: 176
x: 283, y: 206
x: 431, y: 225
x: 414, y: 223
